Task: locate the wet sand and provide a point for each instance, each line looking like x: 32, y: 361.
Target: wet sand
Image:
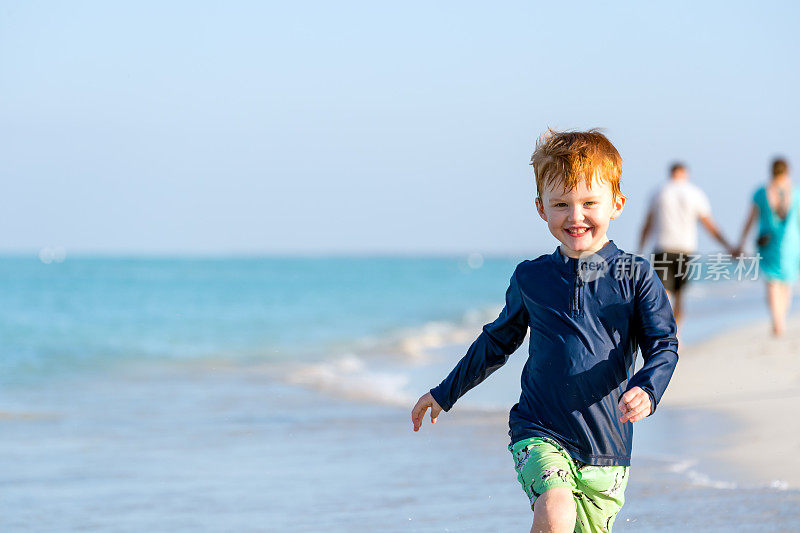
x: 210, y: 447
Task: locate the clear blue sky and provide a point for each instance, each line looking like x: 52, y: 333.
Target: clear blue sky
x: 246, y: 127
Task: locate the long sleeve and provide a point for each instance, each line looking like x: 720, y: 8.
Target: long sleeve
x: 656, y: 335
x: 490, y: 351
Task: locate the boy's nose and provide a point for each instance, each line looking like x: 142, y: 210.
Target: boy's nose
x: 576, y: 214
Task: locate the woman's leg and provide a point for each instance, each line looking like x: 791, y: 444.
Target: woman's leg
x: 786, y: 290
x: 776, y: 295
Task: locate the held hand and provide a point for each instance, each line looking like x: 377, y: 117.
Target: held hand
x: 635, y: 405
x: 418, y: 413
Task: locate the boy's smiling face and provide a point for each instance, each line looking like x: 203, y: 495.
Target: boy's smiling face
x: 579, y: 218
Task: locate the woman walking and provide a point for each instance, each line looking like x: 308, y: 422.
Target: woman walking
x: 777, y: 207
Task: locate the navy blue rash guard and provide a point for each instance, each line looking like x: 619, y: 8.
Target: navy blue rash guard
x: 585, y: 328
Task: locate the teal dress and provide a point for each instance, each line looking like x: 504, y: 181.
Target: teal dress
x: 780, y: 256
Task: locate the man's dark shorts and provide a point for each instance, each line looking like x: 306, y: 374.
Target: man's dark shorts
x: 671, y: 269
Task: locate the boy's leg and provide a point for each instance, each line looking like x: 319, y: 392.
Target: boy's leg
x: 547, y: 473
x: 600, y: 495
x: 554, y: 511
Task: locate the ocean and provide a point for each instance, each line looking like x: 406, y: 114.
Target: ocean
x: 274, y: 394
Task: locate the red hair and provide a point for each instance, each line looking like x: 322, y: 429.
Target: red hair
x: 566, y: 157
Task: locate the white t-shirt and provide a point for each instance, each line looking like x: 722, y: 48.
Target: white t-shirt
x: 677, y: 206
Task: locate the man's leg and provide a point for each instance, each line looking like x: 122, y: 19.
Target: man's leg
x: 676, y: 298
x: 675, y: 301
x: 679, y: 282
x: 554, y: 511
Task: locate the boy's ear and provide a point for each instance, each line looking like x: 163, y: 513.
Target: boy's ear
x: 540, y: 208
x: 619, y: 204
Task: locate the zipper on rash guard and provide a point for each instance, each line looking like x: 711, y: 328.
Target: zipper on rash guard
x: 576, y: 293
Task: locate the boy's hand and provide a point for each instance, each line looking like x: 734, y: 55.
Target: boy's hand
x: 635, y: 405
x: 418, y: 413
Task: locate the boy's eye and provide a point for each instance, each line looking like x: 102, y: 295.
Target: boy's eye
x: 561, y: 204
x: 589, y: 203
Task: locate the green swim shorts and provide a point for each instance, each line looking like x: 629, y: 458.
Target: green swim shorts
x: 542, y: 464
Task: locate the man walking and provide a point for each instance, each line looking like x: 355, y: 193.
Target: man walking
x: 674, y: 211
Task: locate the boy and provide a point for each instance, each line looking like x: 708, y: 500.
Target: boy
x: 588, y: 305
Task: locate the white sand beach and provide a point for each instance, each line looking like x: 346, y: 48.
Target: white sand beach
x: 754, y: 379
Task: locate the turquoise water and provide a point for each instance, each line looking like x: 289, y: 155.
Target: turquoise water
x: 87, y: 312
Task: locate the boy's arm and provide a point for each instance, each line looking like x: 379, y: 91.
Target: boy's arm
x: 490, y: 350
x: 656, y: 335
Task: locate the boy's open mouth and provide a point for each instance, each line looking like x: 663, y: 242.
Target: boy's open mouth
x: 577, y: 232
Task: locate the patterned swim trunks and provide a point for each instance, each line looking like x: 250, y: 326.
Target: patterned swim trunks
x: 542, y: 464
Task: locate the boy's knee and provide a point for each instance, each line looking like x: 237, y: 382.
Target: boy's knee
x: 554, y: 512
